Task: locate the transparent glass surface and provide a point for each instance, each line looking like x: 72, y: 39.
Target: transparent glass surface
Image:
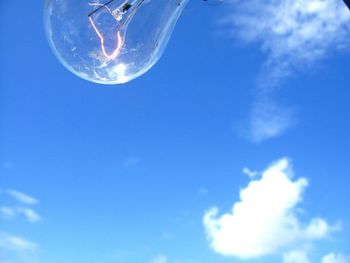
x: 110, y: 41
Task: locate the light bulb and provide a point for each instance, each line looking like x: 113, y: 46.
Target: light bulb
x: 110, y: 41
x: 347, y: 2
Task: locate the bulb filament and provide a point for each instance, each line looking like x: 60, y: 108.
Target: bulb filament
x: 122, y: 14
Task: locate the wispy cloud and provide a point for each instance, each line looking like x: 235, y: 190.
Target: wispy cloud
x: 17, y: 249
x: 266, y: 219
x: 22, y: 197
x: 14, y: 248
x: 294, y: 35
x: 268, y: 120
x: 296, y: 256
x: 9, y: 213
x: 22, y: 208
x: 30, y: 214
x: 251, y: 174
x: 16, y: 243
x: 159, y: 259
x: 336, y: 258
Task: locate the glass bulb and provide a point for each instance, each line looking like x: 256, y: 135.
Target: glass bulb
x: 110, y: 41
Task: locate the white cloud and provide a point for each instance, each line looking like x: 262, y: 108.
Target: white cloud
x: 22, y: 197
x: 269, y: 120
x: 7, y: 212
x: 160, y: 259
x: 297, y: 256
x: 336, y: 258
x: 16, y: 243
x: 293, y: 33
x: 318, y: 228
x: 265, y: 220
x: 16, y: 248
x: 30, y: 214
x: 12, y: 212
x: 251, y: 174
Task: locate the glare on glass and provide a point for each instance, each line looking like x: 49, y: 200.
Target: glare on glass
x: 110, y: 41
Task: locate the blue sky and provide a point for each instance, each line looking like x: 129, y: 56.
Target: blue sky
x: 135, y: 172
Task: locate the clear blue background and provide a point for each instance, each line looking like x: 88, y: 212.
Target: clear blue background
x: 118, y: 169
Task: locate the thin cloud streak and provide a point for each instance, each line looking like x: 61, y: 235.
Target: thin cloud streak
x: 16, y: 243
x: 22, y: 197
x: 9, y: 213
x: 15, y: 248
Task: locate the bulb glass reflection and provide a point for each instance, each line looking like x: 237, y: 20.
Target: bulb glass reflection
x: 110, y: 41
